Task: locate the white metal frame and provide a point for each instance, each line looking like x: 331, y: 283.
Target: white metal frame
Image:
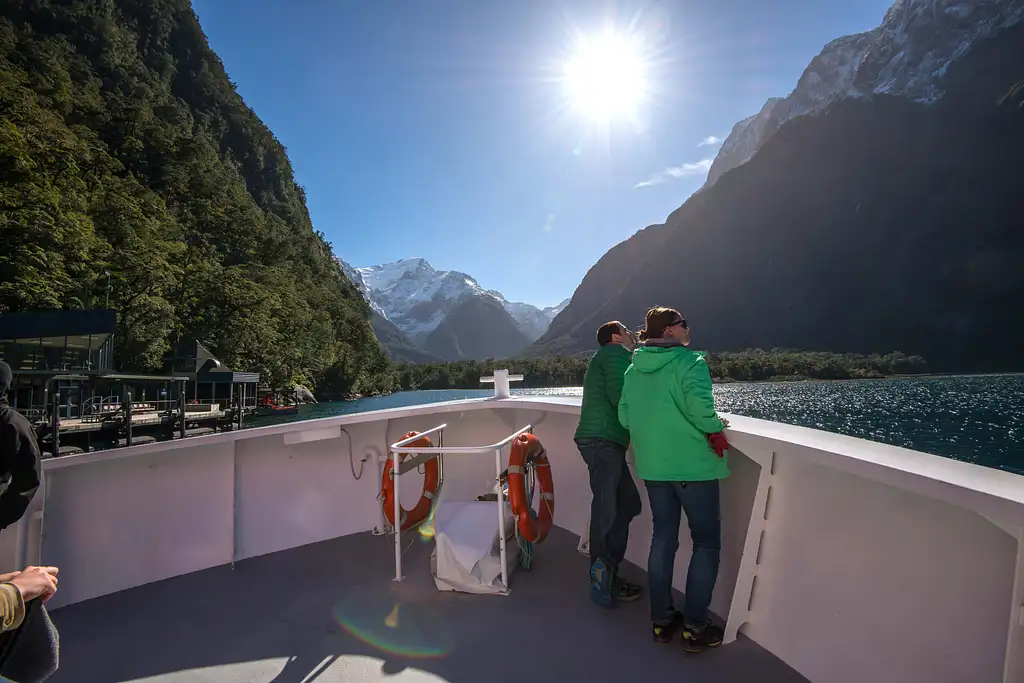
x: 428, y: 453
x: 501, y: 380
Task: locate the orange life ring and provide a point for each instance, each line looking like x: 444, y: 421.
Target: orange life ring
x: 431, y: 481
x: 528, y: 449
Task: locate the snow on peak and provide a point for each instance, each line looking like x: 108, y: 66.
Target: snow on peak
x: 906, y: 56
x: 416, y: 297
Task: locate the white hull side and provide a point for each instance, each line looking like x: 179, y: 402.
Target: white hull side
x: 866, y: 562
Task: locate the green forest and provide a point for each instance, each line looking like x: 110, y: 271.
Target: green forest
x: 126, y: 150
x: 744, y: 366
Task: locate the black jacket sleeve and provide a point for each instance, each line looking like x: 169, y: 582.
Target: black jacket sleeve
x: 20, y: 466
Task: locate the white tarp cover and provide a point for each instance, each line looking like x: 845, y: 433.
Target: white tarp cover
x: 467, y: 555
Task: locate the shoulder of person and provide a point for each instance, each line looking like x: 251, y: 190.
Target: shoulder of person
x: 690, y: 359
x: 19, y: 421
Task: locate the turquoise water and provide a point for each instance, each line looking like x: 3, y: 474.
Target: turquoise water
x: 977, y: 419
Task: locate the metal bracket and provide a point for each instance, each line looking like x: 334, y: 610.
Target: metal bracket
x: 414, y: 462
x: 739, y: 609
x: 1013, y: 665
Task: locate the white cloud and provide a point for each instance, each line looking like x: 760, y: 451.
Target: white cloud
x: 549, y: 223
x: 697, y: 168
x: 710, y: 141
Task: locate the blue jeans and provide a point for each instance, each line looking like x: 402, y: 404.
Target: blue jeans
x: 616, y: 501
x: 700, y: 501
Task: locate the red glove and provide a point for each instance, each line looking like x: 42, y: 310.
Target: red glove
x: 719, y: 444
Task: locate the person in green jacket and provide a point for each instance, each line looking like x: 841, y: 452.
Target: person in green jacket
x: 603, y: 442
x: 667, y: 406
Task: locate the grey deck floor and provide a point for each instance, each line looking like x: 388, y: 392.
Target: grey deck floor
x: 291, y: 617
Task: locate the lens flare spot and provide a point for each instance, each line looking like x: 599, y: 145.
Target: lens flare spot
x: 392, y: 619
x: 426, y: 530
x: 395, y: 624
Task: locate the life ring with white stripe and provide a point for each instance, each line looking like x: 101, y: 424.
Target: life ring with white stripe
x: 527, y: 450
x: 431, y: 481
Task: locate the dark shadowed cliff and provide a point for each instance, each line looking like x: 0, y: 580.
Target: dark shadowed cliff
x: 877, y: 224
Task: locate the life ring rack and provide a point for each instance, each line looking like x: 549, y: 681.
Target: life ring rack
x: 528, y: 453
x: 410, y: 519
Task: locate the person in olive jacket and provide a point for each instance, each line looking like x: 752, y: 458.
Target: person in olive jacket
x: 603, y: 442
x: 667, y: 404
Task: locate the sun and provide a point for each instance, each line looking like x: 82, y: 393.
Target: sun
x: 606, y: 77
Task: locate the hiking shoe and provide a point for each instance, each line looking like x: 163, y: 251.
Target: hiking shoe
x: 601, y: 584
x: 695, y: 641
x: 626, y: 591
x: 664, y: 633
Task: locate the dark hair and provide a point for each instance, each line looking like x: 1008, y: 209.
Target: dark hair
x: 657, y: 319
x: 608, y: 330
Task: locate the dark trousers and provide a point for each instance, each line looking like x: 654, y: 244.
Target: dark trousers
x: 30, y: 653
x: 700, y: 501
x: 616, y: 500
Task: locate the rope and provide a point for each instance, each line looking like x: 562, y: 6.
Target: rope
x: 526, y: 556
x: 351, y: 459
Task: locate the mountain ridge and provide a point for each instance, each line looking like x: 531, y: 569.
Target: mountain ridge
x: 411, y: 300
x: 879, y: 223
x: 905, y: 56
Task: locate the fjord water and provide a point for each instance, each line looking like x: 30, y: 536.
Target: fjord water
x: 977, y: 419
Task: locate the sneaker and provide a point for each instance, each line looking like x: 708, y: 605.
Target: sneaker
x: 601, y: 584
x: 664, y: 633
x: 696, y: 640
x: 626, y: 591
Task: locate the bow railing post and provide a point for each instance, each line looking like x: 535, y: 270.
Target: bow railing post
x: 501, y: 380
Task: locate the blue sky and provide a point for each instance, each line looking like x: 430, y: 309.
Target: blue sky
x: 442, y: 128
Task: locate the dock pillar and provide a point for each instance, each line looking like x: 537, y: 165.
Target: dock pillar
x: 181, y: 411
x: 241, y: 403
x: 55, y: 423
x: 128, y: 410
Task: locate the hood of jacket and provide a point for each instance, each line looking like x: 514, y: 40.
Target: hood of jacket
x: 655, y: 354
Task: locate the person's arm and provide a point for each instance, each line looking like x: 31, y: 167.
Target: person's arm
x: 698, y: 402
x: 623, y: 405
x: 24, y: 470
x: 12, y: 605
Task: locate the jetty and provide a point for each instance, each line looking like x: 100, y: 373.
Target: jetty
x: 65, y: 382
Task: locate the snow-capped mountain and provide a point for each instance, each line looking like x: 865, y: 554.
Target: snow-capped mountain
x: 532, y: 320
x: 904, y: 57
x: 416, y: 298
x: 357, y: 279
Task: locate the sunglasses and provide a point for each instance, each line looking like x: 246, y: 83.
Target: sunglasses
x: 681, y: 322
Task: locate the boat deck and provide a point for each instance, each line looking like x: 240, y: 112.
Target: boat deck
x: 329, y: 612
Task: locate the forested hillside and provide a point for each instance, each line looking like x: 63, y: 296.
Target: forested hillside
x: 755, y: 365
x: 125, y: 149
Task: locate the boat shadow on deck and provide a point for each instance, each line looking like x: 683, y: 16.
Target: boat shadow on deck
x: 329, y: 612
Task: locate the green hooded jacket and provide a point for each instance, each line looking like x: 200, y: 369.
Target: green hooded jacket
x: 602, y: 386
x: 668, y: 408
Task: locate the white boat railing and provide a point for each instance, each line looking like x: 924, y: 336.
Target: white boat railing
x: 425, y: 453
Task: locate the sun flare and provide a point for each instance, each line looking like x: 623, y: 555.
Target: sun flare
x: 606, y: 77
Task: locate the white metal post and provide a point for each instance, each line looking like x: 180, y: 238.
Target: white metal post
x: 398, y: 517
x: 501, y: 518
x: 501, y: 380
x: 404, y: 447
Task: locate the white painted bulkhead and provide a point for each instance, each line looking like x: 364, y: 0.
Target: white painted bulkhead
x: 859, y: 561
